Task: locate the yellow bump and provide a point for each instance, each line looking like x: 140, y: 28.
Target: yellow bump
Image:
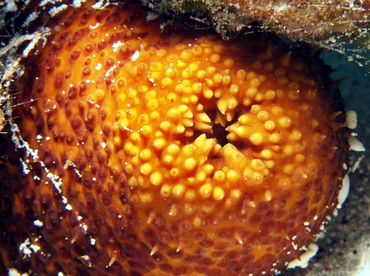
x: 208, y: 207
x: 193, y: 67
x: 190, y: 195
x: 146, y: 198
x: 167, y: 159
x: 165, y: 126
x: 244, y: 119
x: 274, y: 138
x: 202, y: 121
x: 99, y: 94
x: 183, y: 108
x: 189, y: 208
x: 266, y: 154
x: 211, y: 70
x: 229, y: 63
x: 238, y: 238
x: 268, y: 195
x: 174, y: 172
x: 135, y: 137
x: 242, y: 131
x: 259, y: 97
x: 159, y: 143
x: 280, y: 93
x: 258, y: 178
x: 201, y: 74
x: 186, y: 54
x: 288, y: 150
x: 255, y: 83
x: 155, y: 66
x: 214, y: 58
x: 166, y: 190
x: 217, y: 78
x: 170, y: 72
x: 197, y: 50
x: 188, y: 150
x: 315, y: 123
x: 284, y: 184
x: 156, y: 178
x: 285, y: 122
x: 186, y: 73
x: 128, y: 147
x: 241, y: 74
x: 151, y: 217
x: 154, y: 250
x: 208, y: 168
x: 269, y: 125
x: 232, y: 176
x: 296, y: 135
x: 257, y: 164
x: 269, y: 164
x: 143, y: 119
x: 117, y: 141
x: 288, y: 169
x: 256, y: 138
x: 235, y: 194
x: 178, y: 190
x: 180, y: 129
x: 263, y: 115
x: 112, y: 260
x: 146, y: 131
x: 200, y: 177
x: 293, y: 94
x: 146, y: 169
x: 171, y: 97
x: 152, y: 104
x: 166, y: 81
x: 218, y: 193
x: 251, y: 92
x: 197, y: 87
x: 198, y: 222
x: 219, y: 176
x: 174, y: 211
x: 206, y: 190
x: 207, y: 51
x: 226, y: 80
x: 255, y: 108
x: 173, y: 149
x: 208, y: 94
x: 179, y: 88
x: 300, y: 158
x: 277, y: 110
x: 190, y: 164
x: 270, y: 95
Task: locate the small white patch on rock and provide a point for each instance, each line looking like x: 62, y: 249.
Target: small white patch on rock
x: 15, y: 272
x: 351, y: 119
x: 38, y: 223
x: 305, y: 257
x: 55, y: 10
x: 343, y: 193
x: 355, y: 144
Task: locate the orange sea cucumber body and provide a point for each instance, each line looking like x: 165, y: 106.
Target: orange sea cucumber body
x: 171, y: 153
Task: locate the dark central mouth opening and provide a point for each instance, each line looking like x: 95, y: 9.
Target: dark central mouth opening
x: 220, y: 133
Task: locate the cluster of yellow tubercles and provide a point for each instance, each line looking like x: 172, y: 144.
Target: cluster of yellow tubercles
x: 196, y: 147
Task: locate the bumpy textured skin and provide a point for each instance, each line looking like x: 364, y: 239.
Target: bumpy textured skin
x: 170, y: 153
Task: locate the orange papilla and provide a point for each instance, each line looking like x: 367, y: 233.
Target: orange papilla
x: 177, y: 152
